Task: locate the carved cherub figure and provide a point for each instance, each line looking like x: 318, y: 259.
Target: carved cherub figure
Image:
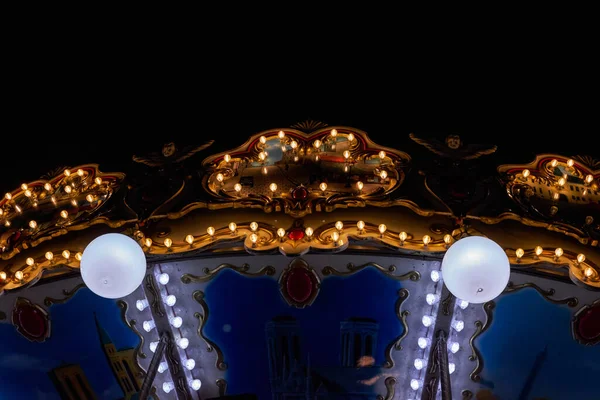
x: 170, y: 154
x: 454, y: 148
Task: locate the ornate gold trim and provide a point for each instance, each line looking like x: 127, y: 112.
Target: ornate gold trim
x: 156, y: 297
x: 480, y: 328
x: 396, y: 344
x: 546, y: 294
x: 210, y: 274
x: 389, y: 271
x: 390, y: 389
x: 202, y: 318
x: 131, y: 325
x: 48, y: 301
x: 222, y: 385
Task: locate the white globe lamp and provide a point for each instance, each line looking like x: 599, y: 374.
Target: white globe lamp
x: 113, y: 265
x: 475, y: 269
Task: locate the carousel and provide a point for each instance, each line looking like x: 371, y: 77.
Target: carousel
x: 307, y: 263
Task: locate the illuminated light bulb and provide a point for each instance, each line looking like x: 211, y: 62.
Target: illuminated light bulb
x: 78, y: 256
x: 237, y: 187
x: 1, y: 211
x: 335, y: 236
x: 556, y: 196
x: 53, y: 199
x: 32, y: 224
x: 570, y: 163
x: 28, y: 193
x: 296, y: 158
x: 346, y: 154
x: 148, y: 325
x: 263, y: 139
x: 253, y: 226
x: 170, y: 300
x: 558, y: 252
x: 176, y: 322
x: 538, y: 250
x: 451, y: 367
x: 281, y: 233
x: 431, y: 298
x: 141, y: 304
x: 427, y: 320
x: 526, y: 173
x: 589, y: 179
x: 195, y: 384
x: 422, y: 342
x: 360, y: 225
x: 19, y: 210
x: 74, y: 202
x: 339, y: 225
x: 273, y: 187
x: 589, y: 219
x: 8, y: 196
x: 163, y: 278
x: 189, y: 239
x: 585, y: 191
x: 89, y: 198
x: 47, y: 186
x: 167, y: 387
x: 580, y: 258
x: 562, y: 181
x: 426, y: 239
x: 294, y: 144
x: 24, y: 186
x: 98, y: 180
x: 351, y: 137
x: 281, y: 134
x: 519, y: 252
x: 66, y: 254
x: 80, y: 172
x: 463, y: 304
x: 220, y: 177
x: 283, y: 148
x: 168, y: 243
x: 232, y: 227
x: 153, y: 346
x: 323, y: 186
x: 2, y: 275
x: 210, y: 230
x: 19, y: 275
x: 333, y: 132
x: 447, y: 239
x: 382, y: 154
x: 454, y: 347
x: 68, y: 189
x: 262, y: 156
x: 49, y: 255
x: 67, y: 172
x: 309, y: 231
x: 382, y: 228
x: 148, y: 242
x: 35, y: 204
x: 402, y: 236
x: 419, y: 363
x: 435, y: 276
x: 415, y: 384
x: 227, y: 158
x: 162, y: 367
x: 317, y: 144
x: 383, y: 175
x: 589, y: 271
x: 458, y: 325
x: 29, y: 261
x: 554, y: 163
x: 190, y: 364
x: 360, y: 185
x: 345, y: 168
x: 254, y: 238
x: 183, y: 343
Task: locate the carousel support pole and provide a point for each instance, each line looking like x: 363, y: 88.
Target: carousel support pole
x: 442, y: 355
x: 153, y: 367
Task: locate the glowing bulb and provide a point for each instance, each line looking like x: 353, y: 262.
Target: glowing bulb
x: 451, y: 367
x: 227, y: 158
x: 153, y: 346
x: 53, y: 199
x: 526, y: 173
x: 163, y: 278
x: 273, y: 187
x: 589, y: 179
x: 351, y: 137
x: 519, y: 252
x: 98, y: 180
x: 253, y: 226
x: 554, y: 163
x: 167, y: 387
x: 383, y: 175
x: 148, y: 325
x: 556, y: 196
x: 426, y: 239
x: 558, y: 252
x: 89, y: 198
x: 232, y: 227
x: 47, y: 186
x: 189, y: 239
x: 78, y: 256
x: 30, y: 261
x: 382, y: 154
x: 190, y: 364
x: 414, y: 384
x: 580, y: 258
x: 18, y: 209
x: 402, y: 236
x: 589, y: 272
x: 32, y: 224
x: 323, y: 186
x: 339, y: 225
x: 263, y: 139
x: 309, y: 231
x: 220, y: 177
x: 423, y: 342
x: 148, y: 242
x: 264, y: 170
x: 1, y: 211
x: 333, y: 132
x: 419, y: 363
x: 2, y: 275
x: 80, y: 172
x: 254, y: 238
x: 561, y: 182
x: 335, y: 236
x: 346, y: 154
x: 317, y: 143
x: 8, y: 196
x: 66, y: 254
x: 28, y: 193
x: 67, y: 172
x: 19, y: 275
x: 435, y: 276
x: 281, y: 134
x: 454, y: 347
x: 237, y: 187
x: 570, y: 163
x: 141, y: 304
x: 168, y: 243
x: 538, y: 250
x: 382, y: 228
x: 195, y: 384
x: 262, y: 156
x: 431, y: 298
x: 360, y: 185
x: 458, y: 325
x: 463, y: 304
x: 281, y: 232
x: 74, y: 202
x: 296, y: 158
x: 427, y: 320
x: 176, y: 322
x: 68, y: 189
x: 294, y: 144
x: 49, y: 256
x: 360, y: 225
x: 447, y: 239
x: 183, y: 343
x: 210, y: 230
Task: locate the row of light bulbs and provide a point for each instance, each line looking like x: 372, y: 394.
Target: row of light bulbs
x: 31, y: 262
x: 182, y: 342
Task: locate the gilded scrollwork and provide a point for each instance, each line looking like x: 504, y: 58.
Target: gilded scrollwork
x: 210, y: 274
x: 480, y: 327
x: 546, y: 294
x: 390, y: 389
x: 48, y: 301
x: 389, y: 271
x: 155, y: 303
x: 131, y: 324
x: 402, y: 315
x: 202, y: 319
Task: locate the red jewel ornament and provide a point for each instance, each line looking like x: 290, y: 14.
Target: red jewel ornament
x: 296, y: 234
x: 586, y: 324
x: 31, y: 320
x: 299, y: 193
x: 299, y: 284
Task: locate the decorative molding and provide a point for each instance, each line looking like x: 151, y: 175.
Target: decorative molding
x: 546, y: 294
x: 210, y: 274
x: 396, y: 344
x: 294, y: 276
x: 389, y: 271
x: 222, y: 385
x: 155, y: 304
x: 480, y: 327
x: 48, y: 301
x: 390, y: 389
x: 131, y: 324
x: 202, y: 318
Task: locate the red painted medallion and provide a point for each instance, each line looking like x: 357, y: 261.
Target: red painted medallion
x: 299, y: 284
x: 299, y: 193
x: 31, y: 320
x: 587, y: 324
